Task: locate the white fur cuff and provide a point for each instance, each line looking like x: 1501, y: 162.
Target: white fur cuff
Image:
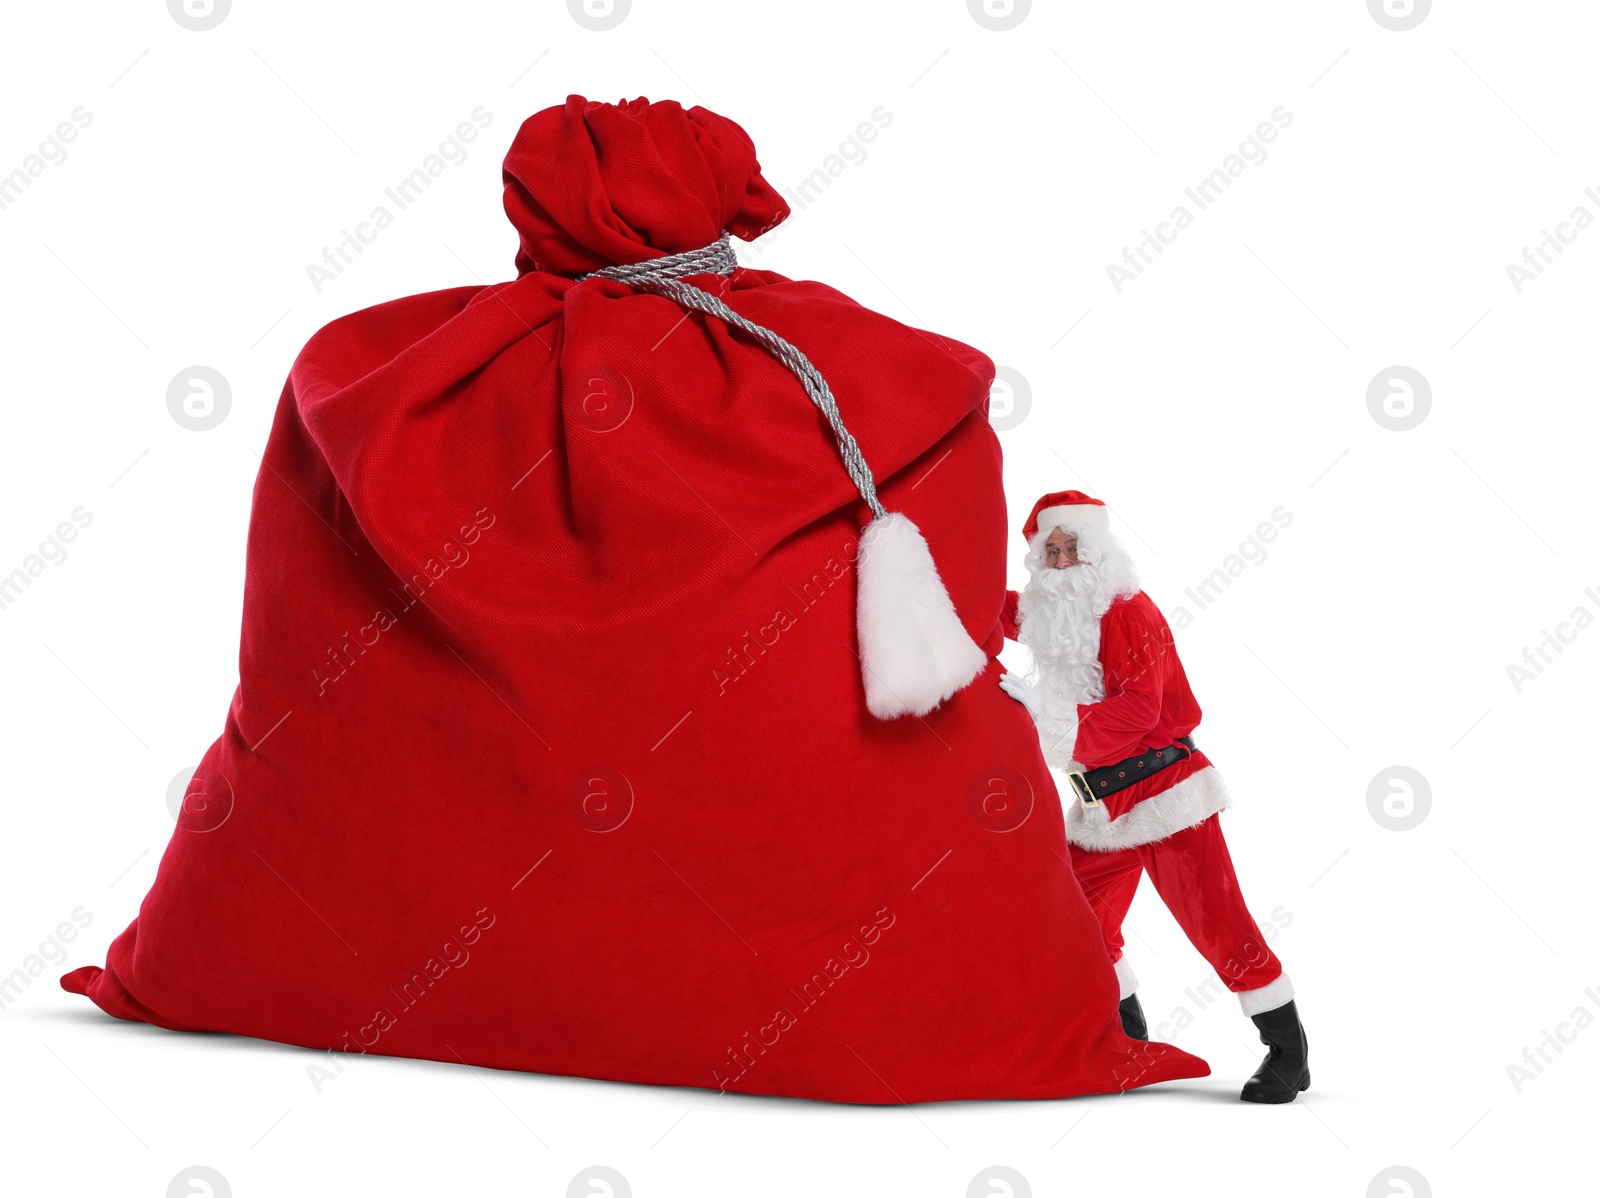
x: 1267, y: 998
x: 1126, y: 982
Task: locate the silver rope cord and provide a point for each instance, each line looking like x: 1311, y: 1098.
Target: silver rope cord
x: 662, y: 276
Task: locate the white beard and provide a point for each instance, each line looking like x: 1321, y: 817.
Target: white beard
x: 1060, y: 614
x: 1062, y: 628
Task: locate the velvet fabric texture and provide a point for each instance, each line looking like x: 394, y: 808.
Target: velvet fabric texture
x: 550, y: 750
x: 592, y: 185
x: 1192, y: 871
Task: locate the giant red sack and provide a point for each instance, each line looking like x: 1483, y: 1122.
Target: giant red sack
x: 550, y: 751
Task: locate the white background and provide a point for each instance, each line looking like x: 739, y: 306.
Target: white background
x: 1229, y: 379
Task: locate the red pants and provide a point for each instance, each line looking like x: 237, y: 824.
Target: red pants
x: 1193, y: 874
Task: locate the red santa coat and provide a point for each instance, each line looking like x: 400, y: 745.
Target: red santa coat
x: 1148, y: 705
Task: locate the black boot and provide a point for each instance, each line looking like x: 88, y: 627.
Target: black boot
x: 1286, y: 1070
x: 1133, y: 1025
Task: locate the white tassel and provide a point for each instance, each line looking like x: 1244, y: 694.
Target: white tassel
x: 915, y: 653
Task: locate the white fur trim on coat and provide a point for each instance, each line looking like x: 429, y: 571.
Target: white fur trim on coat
x: 1195, y: 799
x: 1267, y: 998
x: 1127, y: 983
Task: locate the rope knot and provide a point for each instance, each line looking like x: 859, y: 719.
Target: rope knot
x: 664, y: 276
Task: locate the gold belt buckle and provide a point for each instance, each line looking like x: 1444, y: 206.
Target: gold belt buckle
x: 1080, y: 783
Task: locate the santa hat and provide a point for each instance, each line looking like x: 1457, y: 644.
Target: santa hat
x: 1065, y: 507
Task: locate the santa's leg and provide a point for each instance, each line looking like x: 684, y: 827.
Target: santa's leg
x: 1108, y: 881
x: 1193, y: 873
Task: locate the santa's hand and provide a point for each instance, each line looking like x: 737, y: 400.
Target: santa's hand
x: 1022, y: 693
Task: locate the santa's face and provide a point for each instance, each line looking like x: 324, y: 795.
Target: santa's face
x: 1061, y: 550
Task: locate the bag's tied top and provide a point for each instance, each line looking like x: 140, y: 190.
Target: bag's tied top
x: 590, y: 185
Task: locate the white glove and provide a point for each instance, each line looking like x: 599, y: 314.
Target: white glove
x: 1022, y: 693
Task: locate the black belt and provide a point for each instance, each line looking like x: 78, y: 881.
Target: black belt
x: 1095, y: 785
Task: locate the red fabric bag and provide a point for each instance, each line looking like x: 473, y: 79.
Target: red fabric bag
x: 551, y: 751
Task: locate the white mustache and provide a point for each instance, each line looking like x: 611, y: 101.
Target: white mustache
x: 1071, y: 582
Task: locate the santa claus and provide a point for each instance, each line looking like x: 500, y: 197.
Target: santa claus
x: 1115, y: 713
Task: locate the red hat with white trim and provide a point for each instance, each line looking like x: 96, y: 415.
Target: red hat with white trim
x: 1065, y: 507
